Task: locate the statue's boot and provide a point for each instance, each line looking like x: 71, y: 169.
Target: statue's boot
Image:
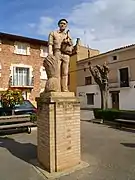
x: 64, y: 84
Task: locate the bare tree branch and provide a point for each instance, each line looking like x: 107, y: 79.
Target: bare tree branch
x: 100, y: 75
x: 95, y: 74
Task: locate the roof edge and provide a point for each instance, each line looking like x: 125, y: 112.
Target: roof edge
x: 22, y: 38
x: 108, y: 52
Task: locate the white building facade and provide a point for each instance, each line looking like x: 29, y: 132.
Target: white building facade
x: 121, y: 63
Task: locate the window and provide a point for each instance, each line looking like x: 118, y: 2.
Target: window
x: 88, y: 80
x: 124, y: 77
x: 22, y: 48
x: 44, y: 51
x: 90, y: 99
x: 43, y: 73
x: 114, y: 58
x: 21, y: 76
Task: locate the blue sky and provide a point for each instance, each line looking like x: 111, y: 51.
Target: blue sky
x: 17, y: 15
x: 101, y: 24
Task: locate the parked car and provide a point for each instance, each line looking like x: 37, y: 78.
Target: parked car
x: 25, y: 108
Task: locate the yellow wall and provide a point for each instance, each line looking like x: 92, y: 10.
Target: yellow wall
x: 72, y: 73
x: 82, y: 53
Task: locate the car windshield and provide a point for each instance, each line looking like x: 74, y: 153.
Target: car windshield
x: 0, y: 104
x: 25, y: 104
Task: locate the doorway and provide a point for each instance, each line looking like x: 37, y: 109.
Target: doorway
x: 115, y: 99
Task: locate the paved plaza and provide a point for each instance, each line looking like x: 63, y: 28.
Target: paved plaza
x: 109, y: 152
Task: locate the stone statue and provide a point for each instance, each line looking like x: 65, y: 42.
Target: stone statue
x: 57, y: 62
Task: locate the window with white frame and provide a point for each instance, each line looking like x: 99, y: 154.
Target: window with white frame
x: 44, y: 51
x: 22, y: 48
x: 43, y: 74
x: 21, y: 76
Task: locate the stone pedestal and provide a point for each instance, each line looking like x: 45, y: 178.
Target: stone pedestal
x: 58, y: 135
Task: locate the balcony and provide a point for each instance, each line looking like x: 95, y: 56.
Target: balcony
x: 124, y: 84
x: 114, y: 86
x: 21, y: 84
x: 117, y: 86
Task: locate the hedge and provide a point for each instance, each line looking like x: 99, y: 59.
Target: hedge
x: 33, y: 118
x: 111, y: 114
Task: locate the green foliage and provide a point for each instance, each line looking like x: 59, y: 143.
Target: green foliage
x: 97, y: 113
x: 111, y: 114
x: 11, y: 97
x: 33, y: 118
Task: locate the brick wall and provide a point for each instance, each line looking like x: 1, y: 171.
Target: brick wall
x: 8, y: 57
x: 58, y: 131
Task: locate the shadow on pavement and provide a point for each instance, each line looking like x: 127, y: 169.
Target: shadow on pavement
x: 12, y: 131
x: 123, y: 129
x: 85, y: 120
x: 131, y: 145
x: 23, y: 151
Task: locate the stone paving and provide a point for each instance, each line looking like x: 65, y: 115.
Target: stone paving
x: 110, y: 153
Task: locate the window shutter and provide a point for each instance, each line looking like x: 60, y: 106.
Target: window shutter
x: 14, y: 76
x: 15, y: 48
x: 28, y: 50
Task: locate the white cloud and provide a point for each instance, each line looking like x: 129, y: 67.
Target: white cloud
x: 101, y: 24
x: 44, y: 26
x: 104, y: 24
x: 32, y: 25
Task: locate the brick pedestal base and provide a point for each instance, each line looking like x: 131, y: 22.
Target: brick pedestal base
x: 58, y: 135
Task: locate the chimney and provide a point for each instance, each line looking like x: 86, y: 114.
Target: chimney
x: 88, y: 51
x: 78, y: 42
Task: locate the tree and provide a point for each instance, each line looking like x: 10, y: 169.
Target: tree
x: 100, y: 75
x: 11, y: 97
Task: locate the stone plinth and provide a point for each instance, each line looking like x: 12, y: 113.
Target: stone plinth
x: 58, y: 135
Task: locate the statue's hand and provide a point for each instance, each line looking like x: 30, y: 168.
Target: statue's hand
x: 68, y: 40
x: 44, y: 63
x: 50, y: 53
x: 50, y: 50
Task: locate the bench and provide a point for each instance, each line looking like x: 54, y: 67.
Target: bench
x: 125, y: 119
x: 124, y: 123
x: 15, y: 122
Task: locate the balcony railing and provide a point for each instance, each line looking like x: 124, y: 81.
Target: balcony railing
x: 29, y: 83
x: 113, y: 85
x: 122, y: 84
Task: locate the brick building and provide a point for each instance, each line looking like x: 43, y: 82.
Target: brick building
x: 21, y: 61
